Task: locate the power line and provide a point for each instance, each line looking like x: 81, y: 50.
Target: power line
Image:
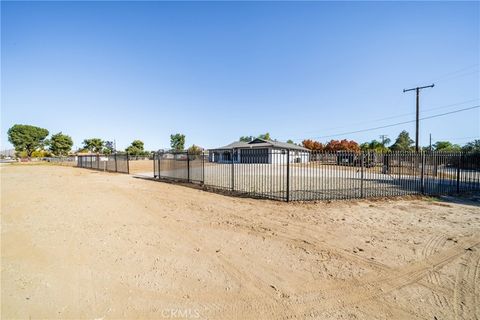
x: 398, y: 123
x: 403, y: 114
x: 448, y: 105
x: 464, y: 74
x: 454, y: 73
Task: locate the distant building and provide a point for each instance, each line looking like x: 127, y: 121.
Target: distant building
x: 7, y: 153
x: 259, y: 151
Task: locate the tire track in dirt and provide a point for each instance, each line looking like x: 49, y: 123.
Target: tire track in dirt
x: 277, y: 232
x: 301, y: 305
x: 297, y: 233
x: 337, y: 296
x: 334, y: 297
x: 476, y: 291
x: 259, y: 301
x: 432, y: 280
x: 314, y: 243
x: 372, y: 289
x: 466, y: 290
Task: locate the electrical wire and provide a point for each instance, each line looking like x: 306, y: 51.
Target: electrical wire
x: 397, y: 124
x: 399, y: 115
x: 454, y: 73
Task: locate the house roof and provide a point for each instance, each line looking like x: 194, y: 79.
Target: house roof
x: 261, y: 143
x: 236, y: 144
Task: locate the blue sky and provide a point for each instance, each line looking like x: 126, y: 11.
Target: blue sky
x: 218, y: 70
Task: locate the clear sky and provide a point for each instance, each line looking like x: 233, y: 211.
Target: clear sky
x: 218, y: 70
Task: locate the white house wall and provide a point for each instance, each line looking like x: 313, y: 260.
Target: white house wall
x: 275, y: 156
x: 279, y: 156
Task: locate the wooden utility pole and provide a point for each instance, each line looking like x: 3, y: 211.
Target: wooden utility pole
x: 383, y: 137
x: 417, y: 89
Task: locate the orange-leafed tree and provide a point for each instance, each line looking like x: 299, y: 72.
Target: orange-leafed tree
x: 342, y: 145
x: 312, y: 145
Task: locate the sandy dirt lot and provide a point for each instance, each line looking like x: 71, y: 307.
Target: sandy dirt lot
x: 142, y: 167
x: 86, y: 244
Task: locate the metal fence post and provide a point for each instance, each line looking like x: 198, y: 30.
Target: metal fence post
x: 288, y: 175
x: 459, y: 163
x: 233, y: 174
x: 128, y: 165
x: 203, y: 167
x: 154, y: 176
x: 159, y: 155
x: 422, y: 173
x: 115, y: 157
x: 188, y: 167
x: 361, y: 174
x: 98, y: 161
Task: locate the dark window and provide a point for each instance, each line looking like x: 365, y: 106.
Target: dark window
x: 254, y: 155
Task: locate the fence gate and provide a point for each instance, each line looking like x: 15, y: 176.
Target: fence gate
x: 117, y: 162
x: 180, y: 166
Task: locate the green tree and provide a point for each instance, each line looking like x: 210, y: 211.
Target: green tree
x: 446, y: 146
x: 473, y: 146
x: 246, y: 138
x: 108, y: 147
x: 27, y: 138
x: 373, y: 145
x: 60, y: 144
x: 403, y: 142
x: 177, y: 141
x: 136, y: 148
x: 290, y: 141
x: 385, y: 142
x: 265, y: 136
x: 376, y: 146
x: 41, y: 154
x: 93, y: 145
x: 195, y: 150
x: 365, y: 146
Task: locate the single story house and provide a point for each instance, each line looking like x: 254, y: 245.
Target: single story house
x: 259, y: 151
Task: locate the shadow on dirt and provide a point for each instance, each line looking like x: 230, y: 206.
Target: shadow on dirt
x: 471, y: 199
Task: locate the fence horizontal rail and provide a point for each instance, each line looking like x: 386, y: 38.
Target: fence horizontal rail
x: 117, y: 162
x: 293, y: 175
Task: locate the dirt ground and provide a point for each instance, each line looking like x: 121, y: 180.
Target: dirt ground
x: 144, y: 167
x: 85, y: 244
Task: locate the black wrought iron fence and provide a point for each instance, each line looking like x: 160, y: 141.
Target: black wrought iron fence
x: 117, y: 162
x: 62, y: 160
x: 302, y: 175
